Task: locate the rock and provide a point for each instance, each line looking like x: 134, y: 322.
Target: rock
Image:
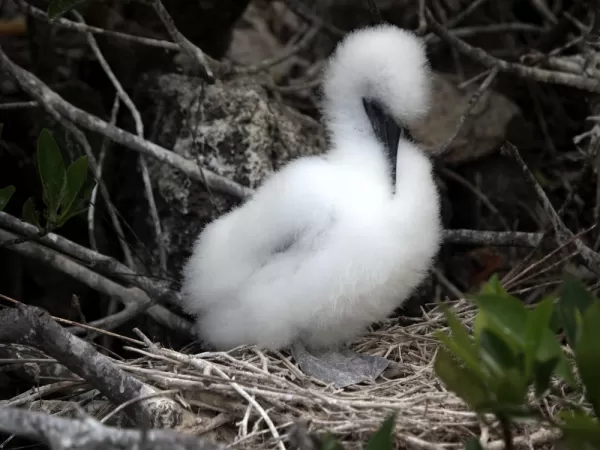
x: 483, y: 131
x: 234, y: 129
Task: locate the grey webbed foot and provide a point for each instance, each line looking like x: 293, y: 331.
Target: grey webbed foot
x: 341, y: 367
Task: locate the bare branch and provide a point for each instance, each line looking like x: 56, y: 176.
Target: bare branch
x: 84, y: 434
x: 51, y: 100
x: 132, y: 296
x: 193, y: 51
x: 492, y: 238
x: 563, y: 234
x: 61, y: 22
x: 139, y: 128
x: 483, y: 57
x: 29, y: 325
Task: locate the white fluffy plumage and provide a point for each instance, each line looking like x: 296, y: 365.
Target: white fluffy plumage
x: 327, y: 245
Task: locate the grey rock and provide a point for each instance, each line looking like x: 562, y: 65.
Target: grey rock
x: 233, y: 129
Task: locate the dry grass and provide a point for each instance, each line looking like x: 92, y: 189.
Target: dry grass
x: 256, y: 397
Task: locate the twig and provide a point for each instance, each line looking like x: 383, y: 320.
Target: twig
x: 103, y: 148
x: 132, y: 296
x: 287, y: 53
x: 477, y: 192
x: 18, y: 105
x: 492, y: 238
x: 33, y: 326
x: 92, y: 259
x: 51, y: 100
x: 563, y: 234
x: 82, y: 28
x: 139, y: 128
x: 467, y: 112
x: 193, y: 51
x: 83, y: 434
x: 489, y: 61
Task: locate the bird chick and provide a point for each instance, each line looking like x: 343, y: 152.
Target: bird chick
x: 329, y: 244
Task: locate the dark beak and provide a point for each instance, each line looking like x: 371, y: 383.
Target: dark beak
x: 387, y: 131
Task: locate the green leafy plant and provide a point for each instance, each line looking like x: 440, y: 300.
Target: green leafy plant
x: 66, y: 189
x: 5, y: 195
x: 514, y: 350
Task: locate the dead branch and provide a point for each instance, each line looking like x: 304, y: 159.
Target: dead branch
x: 129, y: 296
x: 192, y: 50
x: 491, y: 62
x: 492, y: 238
x: 54, y: 102
x: 563, y: 234
x: 29, y: 325
x: 83, y: 434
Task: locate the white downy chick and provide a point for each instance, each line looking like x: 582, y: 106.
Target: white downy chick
x: 329, y: 244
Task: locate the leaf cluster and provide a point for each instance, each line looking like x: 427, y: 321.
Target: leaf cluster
x: 66, y: 190
x: 514, y: 350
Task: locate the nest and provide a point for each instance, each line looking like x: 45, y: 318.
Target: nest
x: 254, y: 399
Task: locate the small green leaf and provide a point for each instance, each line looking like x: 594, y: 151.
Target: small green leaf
x: 461, y: 344
x: 76, y: 176
x: 493, y: 286
x: 5, y: 195
x: 30, y: 214
x: 383, y: 438
x: 462, y: 381
x: 506, y: 316
x: 580, y: 431
x: 588, y: 356
x: 331, y: 443
x: 58, y: 7
x: 538, y: 324
x: 52, y: 172
x: 473, y: 444
x: 564, y: 369
x: 497, y: 355
x: 575, y: 297
x: 510, y: 389
x: 542, y: 371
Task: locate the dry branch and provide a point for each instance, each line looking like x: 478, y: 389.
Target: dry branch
x: 29, y: 325
x: 51, y: 101
x: 129, y: 296
x: 84, y: 434
x: 491, y: 62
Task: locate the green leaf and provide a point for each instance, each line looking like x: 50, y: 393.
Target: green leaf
x: 580, y: 430
x: 58, y: 7
x: 76, y: 176
x: 30, y: 214
x: 331, y: 443
x: 497, y: 355
x: 575, y: 297
x: 383, y: 438
x: 5, y: 195
x: 462, y: 381
x: 473, y: 444
x: 493, y: 286
x: 52, y: 172
x: 510, y: 389
x: 461, y: 344
x: 538, y: 325
x: 504, y: 315
x: 588, y: 356
x: 542, y: 371
x: 564, y: 369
